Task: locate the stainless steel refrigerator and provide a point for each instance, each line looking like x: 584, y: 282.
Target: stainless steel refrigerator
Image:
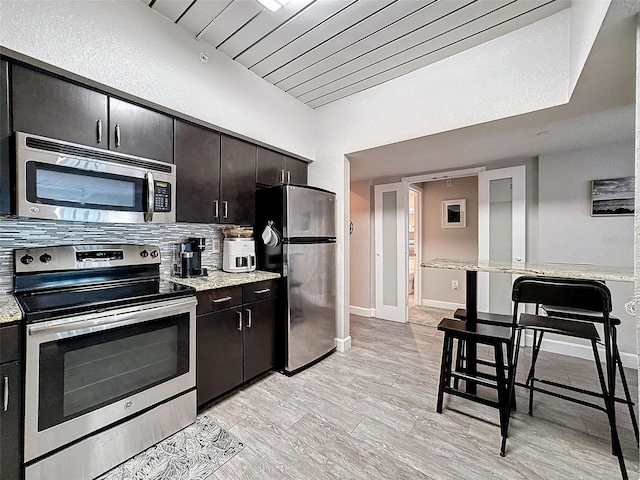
x: 304, y: 220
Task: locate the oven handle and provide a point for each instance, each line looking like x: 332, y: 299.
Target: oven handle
x: 151, y: 199
x: 75, y: 328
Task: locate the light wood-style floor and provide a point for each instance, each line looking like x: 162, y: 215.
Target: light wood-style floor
x: 369, y: 413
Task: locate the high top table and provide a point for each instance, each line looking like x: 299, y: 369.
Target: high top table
x: 559, y: 270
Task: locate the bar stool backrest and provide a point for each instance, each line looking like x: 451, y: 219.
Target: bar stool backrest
x: 589, y: 295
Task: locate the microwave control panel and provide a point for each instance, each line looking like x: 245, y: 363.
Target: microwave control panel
x: 162, y: 197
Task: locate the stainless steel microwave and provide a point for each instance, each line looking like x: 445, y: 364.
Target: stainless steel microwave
x: 65, y: 181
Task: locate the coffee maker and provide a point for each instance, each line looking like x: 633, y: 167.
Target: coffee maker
x: 189, y: 258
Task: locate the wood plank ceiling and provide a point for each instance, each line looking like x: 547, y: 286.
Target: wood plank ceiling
x: 320, y: 51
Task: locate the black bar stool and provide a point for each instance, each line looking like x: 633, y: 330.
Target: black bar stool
x: 501, y: 338
x: 593, y: 300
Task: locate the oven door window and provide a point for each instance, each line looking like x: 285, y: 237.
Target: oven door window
x: 81, y: 374
x: 73, y: 187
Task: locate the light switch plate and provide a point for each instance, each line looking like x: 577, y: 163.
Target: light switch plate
x: 215, y: 245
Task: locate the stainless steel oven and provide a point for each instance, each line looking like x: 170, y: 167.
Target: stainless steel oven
x: 65, y: 181
x: 110, y: 357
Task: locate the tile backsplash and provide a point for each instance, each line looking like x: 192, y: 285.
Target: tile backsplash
x: 22, y: 233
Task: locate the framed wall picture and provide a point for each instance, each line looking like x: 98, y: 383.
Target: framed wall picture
x: 612, y: 197
x: 454, y: 213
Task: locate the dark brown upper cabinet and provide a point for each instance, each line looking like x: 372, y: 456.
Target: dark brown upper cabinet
x: 297, y: 171
x: 139, y: 131
x: 5, y: 140
x: 197, y: 157
x: 46, y: 105
x: 237, y: 181
x: 273, y: 168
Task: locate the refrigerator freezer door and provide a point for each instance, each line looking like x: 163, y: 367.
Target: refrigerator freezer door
x: 312, y: 303
x: 311, y: 213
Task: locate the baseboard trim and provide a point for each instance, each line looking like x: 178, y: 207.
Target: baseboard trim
x: 438, y: 304
x: 629, y: 360
x: 343, y: 344
x: 361, y: 311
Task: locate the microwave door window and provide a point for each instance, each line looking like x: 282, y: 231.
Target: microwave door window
x: 82, y: 189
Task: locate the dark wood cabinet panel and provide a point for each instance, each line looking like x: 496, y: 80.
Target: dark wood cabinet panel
x: 218, y: 299
x: 269, y: 167
x: 49, y: 106
x: 297, y: 171
x: 259, y: 337
x: 10, y: 343
x: 5, y: 139
x: 237, y: 181
x: 139, y: 131
x: 197, y: 158
x: 254, y: 292
x: 10, y: 422
x: 219, y: 353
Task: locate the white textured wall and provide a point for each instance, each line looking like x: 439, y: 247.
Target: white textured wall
x: 128, y: 46
x: 586, y: 20
x: 568, y: 233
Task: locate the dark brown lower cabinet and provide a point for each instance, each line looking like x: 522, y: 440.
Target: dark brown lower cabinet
x: 259, y: 337
x: 233, y: 346
x: 219, y: 353
x: 10, y: 421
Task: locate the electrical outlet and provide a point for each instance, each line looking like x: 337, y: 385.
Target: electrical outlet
x: 215, y: 245
x: 455, y: 285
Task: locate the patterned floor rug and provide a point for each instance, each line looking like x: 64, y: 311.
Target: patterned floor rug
x: 428, y: 316
x: 193, y: 453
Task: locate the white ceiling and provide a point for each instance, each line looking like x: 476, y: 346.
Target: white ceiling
x: 601, y: 111
x: 319, y: 51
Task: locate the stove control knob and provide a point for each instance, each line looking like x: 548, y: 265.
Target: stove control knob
x: 26, y: 259
x: 144, y: 254
x: 154, y: 253
x: 45, y: 258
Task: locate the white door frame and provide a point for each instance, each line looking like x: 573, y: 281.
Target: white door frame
x: 398, y: 312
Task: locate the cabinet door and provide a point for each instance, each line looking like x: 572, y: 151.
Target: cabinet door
x: 49, y: 106
x: 297, y: 171
x: 197, y: 158
x: 10, y: 421
x: 218, y: 353
x: 269, y: 167
x: 237, y: 181
x: 5, y: 139
x: 139, y: 131
x: 259, y: 337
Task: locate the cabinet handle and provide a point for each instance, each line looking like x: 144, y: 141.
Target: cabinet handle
x: 220, y: 300
x: 117, y: 135
x: 240, y: 321
x: 226, y: 209
x: 264, y: 290
x: 5, y: 395
x: 288, y: 177
x: 281, y: 176
x: 217, y: 209
x: 99, y: 130
x: 249, y: 319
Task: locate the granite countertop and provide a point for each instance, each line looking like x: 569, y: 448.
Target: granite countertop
x: 566, y: 270
x: 9, y: 309
x: 219, y: 279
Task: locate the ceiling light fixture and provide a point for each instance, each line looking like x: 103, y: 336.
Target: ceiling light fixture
x: 273, y: 5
